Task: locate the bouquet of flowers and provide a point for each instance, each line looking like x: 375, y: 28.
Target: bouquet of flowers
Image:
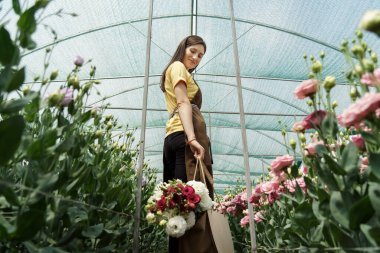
x: 174, y: 205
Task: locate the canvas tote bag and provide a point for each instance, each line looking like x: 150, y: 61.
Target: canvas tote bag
x: 220, y: 227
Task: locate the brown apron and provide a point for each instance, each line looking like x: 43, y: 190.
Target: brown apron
x: 199, y: 238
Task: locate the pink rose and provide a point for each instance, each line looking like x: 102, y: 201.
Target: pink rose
x: 278, y: 176
x: 360, y: 110
x: 314, y: 119
x: 281, y: 162
x: 358, y: 141
x: 306, y: 89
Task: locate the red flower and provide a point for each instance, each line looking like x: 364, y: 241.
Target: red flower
x: 188, y: 190
x: 314, y: 119
x: 194, y: 198
x: 161, y: 204
x: 177, y: 198
x: 171, y: 190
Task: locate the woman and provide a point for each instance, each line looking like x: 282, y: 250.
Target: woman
x: 186, y: 139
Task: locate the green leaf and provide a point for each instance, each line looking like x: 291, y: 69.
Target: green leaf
x: 11, y: 131
x: 16, y: 6
x: 93, y: 231
x: 374, y: 164
x: 329, y: 125
x: 370, y: 138
x: 350, y: 158
x: 360, y: 212
x: 327, y: 177
x: 27, y: 26
x: 311, y: 190
x: 334, y: 166
x: 31, y: 221
x: 77, y: 215
x: 318, y: 232
x: 6, y: 228
x: 304, y: 215
x: 51, y: 250
x: 338, y: 209
x: 17, y: 80
x: 371, y: 233
x: 374, y: 196
x: 13, y: 106
x: 9, y: 53
x: 9, y: 194
x: 66, y: 145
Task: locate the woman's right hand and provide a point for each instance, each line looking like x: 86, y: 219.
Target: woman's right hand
x: 197, y: 149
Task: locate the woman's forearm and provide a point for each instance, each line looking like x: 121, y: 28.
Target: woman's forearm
x: 185, y: 111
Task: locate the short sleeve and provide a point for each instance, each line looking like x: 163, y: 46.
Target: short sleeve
x: 177, y: 73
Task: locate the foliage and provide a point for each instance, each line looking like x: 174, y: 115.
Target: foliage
x: 330, y: 201
x: 67, y: 184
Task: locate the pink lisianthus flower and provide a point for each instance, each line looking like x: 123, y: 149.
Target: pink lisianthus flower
x: 258, y: 217
x: 314, y: 119
x: 68, y: 96
x: 244, y: 221
x: 298, y: 127
x: 281, y: 162
x: 360, y: 110
x: 311, y: 148
x: 371, y: 79
x: 269, y: 187
x: 358, y: 141
x: 306, y: 89
x: 363, y: 165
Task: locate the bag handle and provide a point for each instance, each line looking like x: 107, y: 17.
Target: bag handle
x: 204, y: 178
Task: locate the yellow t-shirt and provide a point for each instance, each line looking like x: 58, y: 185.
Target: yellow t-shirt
x: 175, y: 73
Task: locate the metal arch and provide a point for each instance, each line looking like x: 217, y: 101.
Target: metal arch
x: 259, y: 92
x: 185, y: 15
x: 214, y: 82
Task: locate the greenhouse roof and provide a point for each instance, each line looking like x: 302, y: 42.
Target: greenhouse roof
x: 272, y: 37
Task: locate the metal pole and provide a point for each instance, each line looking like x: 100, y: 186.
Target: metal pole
x: 243, y: 132
x: 140, y: 166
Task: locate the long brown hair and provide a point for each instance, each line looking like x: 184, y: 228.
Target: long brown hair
x: 180, y: 53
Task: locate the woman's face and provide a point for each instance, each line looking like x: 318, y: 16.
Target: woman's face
x: 193, y: 56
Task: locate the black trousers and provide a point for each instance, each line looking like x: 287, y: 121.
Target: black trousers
x: 174, y: 168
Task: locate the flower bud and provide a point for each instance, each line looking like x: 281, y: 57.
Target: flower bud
x: 359, y: 70
x: 163, y: 222
x: 78, y: 61
x: 55, y: 98
x: 309, y: 103
x: 353, y: 93
x: 371, y: 21
x: 108, y: 117
x: 302, y: 138
x: 358, y: 51
x: 99, y: 133
x: 312, y: 58
x: 36, y: 78
x: 97, y: 82
x: 329, y: 83
x: 92, y: 71
x: 74, y: 82
x: 87, y: 87
x: 292, y: 144
x: 374, y: 57
x: 359, y: 34
x: 344, y: 43
x: 283, y: 132
x: 334, y: 104
x: 311, y: 75
x: 305, y: 56
x: 322, y: 54
x: 54, y: 74
x: 316, y: 67
x: 47, y: 50
x: 368, y: 65
x: 45, y: 81
x: 26, y: 90
x: 109, y: 125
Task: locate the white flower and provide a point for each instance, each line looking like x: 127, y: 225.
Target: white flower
x: 176, y: 226
x: 206, y: 203
x: 190, y: 220
x: 169, y: 213
x: 201, y: 189
x: 150, y: 217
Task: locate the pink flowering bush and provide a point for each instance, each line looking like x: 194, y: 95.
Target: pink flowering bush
x: 329, y: 197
